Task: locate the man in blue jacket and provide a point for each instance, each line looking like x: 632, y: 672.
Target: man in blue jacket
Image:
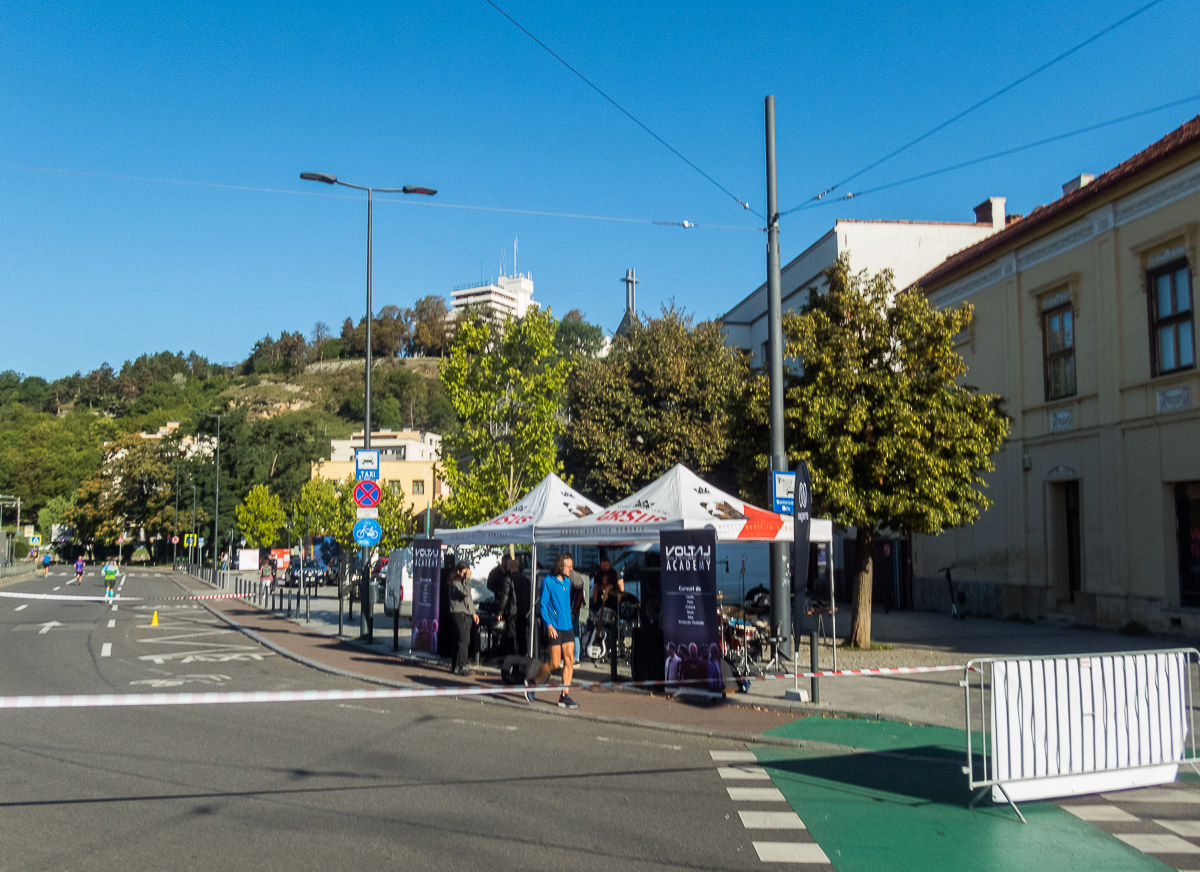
x: 560, y: 629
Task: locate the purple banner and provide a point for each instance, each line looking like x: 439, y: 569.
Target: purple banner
x: 427, y: 577
x: 691, y: 635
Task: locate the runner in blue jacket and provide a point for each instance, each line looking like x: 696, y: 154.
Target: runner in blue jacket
x: 560, y: 630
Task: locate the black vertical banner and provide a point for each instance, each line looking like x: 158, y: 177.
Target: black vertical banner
x: 801, y: 537
x: 689, y: 600
x: 427, y: 577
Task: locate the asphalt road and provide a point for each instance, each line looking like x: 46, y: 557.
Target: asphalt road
x: 413, y: 784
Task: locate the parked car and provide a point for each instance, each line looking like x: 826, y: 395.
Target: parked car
x: 315, y: 574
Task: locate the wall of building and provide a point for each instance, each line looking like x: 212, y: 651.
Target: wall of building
x: 1115, y: 439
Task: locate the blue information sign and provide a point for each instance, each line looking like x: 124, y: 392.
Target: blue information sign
x: 367, y: 532
x: 783, y: 492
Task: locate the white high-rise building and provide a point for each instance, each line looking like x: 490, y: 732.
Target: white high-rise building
x: 507, y: 296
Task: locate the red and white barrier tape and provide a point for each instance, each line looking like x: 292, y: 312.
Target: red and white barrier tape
x: 117, y: 599
x: 114, y: 700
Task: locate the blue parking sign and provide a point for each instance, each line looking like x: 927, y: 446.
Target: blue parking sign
x: 367, y: 532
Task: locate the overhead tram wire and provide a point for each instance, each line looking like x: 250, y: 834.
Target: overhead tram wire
x: 463, y: 206
x: 1008, y: 151
x: 970, y: 109
x: 745, y: 205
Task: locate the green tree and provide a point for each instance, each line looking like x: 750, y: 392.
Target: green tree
x: 130, y: 495
x: 662, y: 396
x: 315, y: 507
x: 505, y: 382
x: 576, y: 337
x: 260, y: 517
x: 396, y: 520
x: 52, y: 514
x: 892, y: 439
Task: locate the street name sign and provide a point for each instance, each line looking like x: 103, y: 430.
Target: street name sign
x: 366, y: 464
x: 367, y: 532
x: 366, y: 495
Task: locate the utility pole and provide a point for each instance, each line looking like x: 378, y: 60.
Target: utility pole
x: 175, y: 537
x: 781, y: 620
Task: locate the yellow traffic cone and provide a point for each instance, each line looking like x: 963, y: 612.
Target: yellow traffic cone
x: 154, y: 620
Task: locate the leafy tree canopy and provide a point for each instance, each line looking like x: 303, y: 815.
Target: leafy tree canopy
x: 260, y: 517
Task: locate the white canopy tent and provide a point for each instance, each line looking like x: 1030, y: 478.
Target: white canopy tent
x: 679, y: 500
x: 553, y: 501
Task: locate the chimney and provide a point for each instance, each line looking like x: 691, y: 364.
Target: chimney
x: 991, y: 211
x: 1078, y: 182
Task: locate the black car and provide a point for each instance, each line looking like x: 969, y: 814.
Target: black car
x: 315, y: 574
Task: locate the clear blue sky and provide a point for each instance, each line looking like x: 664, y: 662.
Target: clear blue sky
x: 455, y: 97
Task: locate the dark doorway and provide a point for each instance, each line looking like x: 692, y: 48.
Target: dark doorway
x: 1187, y: 527
x: 1071, y: 501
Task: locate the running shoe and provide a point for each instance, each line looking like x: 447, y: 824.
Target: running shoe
x: 529, y: 695
x: 565, y: 701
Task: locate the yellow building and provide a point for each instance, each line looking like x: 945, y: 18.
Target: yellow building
x: 1085, y: 324
x: 407, y: 461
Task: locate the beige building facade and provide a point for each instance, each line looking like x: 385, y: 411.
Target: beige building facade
x: 1084, y: 323
x: 407, y: 462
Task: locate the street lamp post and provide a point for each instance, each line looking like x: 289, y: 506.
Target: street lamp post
x: 216, y: 498
x: 191, y: 553
x: 329, y: 179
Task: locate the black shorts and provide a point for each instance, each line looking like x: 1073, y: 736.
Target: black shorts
x: 564, y: 636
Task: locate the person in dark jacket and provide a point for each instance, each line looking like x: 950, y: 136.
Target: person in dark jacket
x: 462, y: 609
x: 506, y: 603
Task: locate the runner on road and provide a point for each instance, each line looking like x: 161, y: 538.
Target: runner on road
x: 79, y: 565
x: 110, y: 578
x: 46, y: 563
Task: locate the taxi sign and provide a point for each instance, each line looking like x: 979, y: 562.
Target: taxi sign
x: 366, y: 464
x: 366, y: 494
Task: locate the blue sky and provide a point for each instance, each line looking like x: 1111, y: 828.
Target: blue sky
x: 453, y: 96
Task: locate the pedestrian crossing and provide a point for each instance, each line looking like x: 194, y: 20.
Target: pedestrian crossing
x: 792, y: 844
x: 1163, y: 822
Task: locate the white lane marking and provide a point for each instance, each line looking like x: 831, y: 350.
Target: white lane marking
x: 639, y: 744
x: 755, y: 794
x: 476, y: 724
x: 771, y: 820
x: 114, y: 607
x: 1099, y: 813
x: 106, y: 649
x: 1182, y: 828
x: 1153, y: 794
x: 732, y: 773
x: 1149, y: 843
x: 48, y: 626
x: 793, y: 852
x: 360, y: 708
x: 59, y: 587
x: 112, y: 622
x: 18, y: 608
x: 733, y: 756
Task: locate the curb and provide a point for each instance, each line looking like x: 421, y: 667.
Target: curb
x: 658, y: 726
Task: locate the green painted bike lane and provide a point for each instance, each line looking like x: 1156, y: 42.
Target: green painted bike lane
x: 902, y: 805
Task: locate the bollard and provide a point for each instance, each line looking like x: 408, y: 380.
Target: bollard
x: 307, y: 604
x: 339, y: 611
x: 815, y: 691
x: 396, y: 627
x: 288, y: 613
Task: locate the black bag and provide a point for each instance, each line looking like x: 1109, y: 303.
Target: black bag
x: 516, y: 669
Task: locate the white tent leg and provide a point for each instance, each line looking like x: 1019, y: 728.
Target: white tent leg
x: 532, y: 597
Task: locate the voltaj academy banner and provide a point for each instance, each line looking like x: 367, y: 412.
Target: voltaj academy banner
x: 689, y: 600
x: 427, y: 577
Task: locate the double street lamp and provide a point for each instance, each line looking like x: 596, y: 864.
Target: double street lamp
x: 329, y: 179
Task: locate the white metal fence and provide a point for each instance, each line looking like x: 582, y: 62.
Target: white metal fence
x: 1066, y: 725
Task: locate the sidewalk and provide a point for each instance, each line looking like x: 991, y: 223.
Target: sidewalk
x: 905, y: 639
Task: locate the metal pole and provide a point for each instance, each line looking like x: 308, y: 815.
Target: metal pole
x: 191, y: 553
x: 781, y: 619
x: 532, y: 600
x: 363, y: 577
x: 815, y: 686
x: 175, y: 544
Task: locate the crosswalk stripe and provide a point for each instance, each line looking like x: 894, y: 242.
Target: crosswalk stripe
x: 771, y: 820
x: 112, y: 622
x: 755, y: 794
x: 790, y: 852
x: 733, y: 756
x: 735, y: 773
x: 106, y: 649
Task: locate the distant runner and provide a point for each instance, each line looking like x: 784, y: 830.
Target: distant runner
x: 46, y: 563
x: 110, y: 578
x: 79, y: 565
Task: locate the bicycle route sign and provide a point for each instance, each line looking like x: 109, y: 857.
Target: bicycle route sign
x: 367, y: 532
x: 366, y: 494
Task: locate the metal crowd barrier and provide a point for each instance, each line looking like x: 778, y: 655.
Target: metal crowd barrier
x: 1067, y: 725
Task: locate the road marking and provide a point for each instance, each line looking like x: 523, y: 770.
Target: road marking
x: 771, y: 820
x: 112, y: 622
x: 793, y: 852
x: 59, y: 587
x: 106, y: 649
x: 1153, y: 794
x: 114, y: 607
x: 1099, y: 813
x: 755, y: 794
x: 362, y: 708
x: 48, y: 626
x: 732, y: 773
x: 733, y: 756
x: 639, y: 744
x: 1149, y: 843
x: 18, y: 608
x: 1182, y: 828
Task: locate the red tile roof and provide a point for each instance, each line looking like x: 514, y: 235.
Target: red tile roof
x: 1174, y: 142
